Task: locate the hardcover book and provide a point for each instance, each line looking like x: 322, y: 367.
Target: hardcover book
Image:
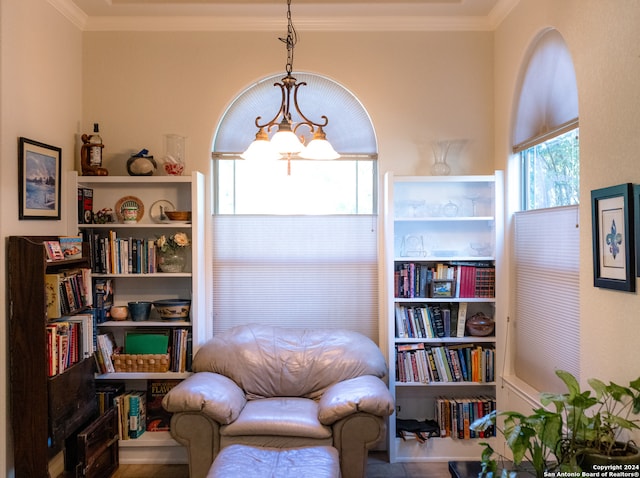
x: 158, y: 419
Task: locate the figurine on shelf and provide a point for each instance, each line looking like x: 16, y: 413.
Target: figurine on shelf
x: 91, y: 154
x: 141, y: 164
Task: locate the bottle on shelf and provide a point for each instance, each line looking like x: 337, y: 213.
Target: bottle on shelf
x: 91, y: 153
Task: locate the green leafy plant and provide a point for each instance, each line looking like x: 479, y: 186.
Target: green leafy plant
x: 596, y: 419
x: 534, y: 439
x: 556, y: 438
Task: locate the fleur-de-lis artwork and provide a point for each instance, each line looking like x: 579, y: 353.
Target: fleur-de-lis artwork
x: 614, y: 240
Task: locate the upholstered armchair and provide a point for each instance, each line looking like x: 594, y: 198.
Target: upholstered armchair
x: 285, y: 388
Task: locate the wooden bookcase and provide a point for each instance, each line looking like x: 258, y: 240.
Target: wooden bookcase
x: 453, y: 221
x: 45, y: 411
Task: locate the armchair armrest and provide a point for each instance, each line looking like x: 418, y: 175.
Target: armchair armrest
x: 361, y: 394
x: 213, y: 394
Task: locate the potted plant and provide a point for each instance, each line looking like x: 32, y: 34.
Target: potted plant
x: 534, y: 441
x: 596, y: 420
x: 583, y: 429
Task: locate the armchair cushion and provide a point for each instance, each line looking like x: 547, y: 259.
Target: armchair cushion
x: 210, y: 393
x: 361, y: 394
x: 289, y: 362
x: 294, y: 417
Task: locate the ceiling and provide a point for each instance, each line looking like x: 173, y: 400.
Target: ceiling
x: 372, y: 15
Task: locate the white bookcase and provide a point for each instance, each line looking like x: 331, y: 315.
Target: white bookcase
x: 431, y: 220
x: 185, y: 193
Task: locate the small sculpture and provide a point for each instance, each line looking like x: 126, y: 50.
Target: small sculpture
x: 141, y: 164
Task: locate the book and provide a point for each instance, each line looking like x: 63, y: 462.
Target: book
x: 158, y: 419
x: 106, y: 348
x: 71, y: 247
x: 103, y: 298
x: 87, y: 206
x: 137, y: 413
x: 462, y: 318
x: 54, y: 251
x: 106, y: 394
x: 86, y: 335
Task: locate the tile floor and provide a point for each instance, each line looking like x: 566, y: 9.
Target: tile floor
x: 378, y: 467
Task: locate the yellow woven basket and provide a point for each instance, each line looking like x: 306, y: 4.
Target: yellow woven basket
x: 141, y: 362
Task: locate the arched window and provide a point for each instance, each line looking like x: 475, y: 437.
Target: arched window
x: 296, y: 250
x: 546, y: 241
x: 344, y: 186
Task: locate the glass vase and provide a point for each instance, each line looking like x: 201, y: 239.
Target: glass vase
x: 172, y: 261
x: 440, y: 151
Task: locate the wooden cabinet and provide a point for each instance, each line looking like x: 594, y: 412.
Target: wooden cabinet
x: 150, y: 194
x: 439, y: 232
x: 44, y: 410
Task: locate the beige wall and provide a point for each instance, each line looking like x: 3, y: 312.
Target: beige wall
x: 40, y: 98
x: 603, y: 38
x: 55, y: 82
x: 415, y: 86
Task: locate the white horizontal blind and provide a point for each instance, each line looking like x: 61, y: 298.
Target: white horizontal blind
x: 547, y: 322
x: 296, y: 271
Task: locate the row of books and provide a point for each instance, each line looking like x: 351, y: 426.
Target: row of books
x: 111, y: 254
x: 454, y: 415
x: 105, y: 348
x: 68, y: 292
x: 417, y: 363
x: 156, y: 418
x: 431, y: 321
x: 467, y: 279
x: 132, y: 414
x: 181, y: 344
x: 69, y: 340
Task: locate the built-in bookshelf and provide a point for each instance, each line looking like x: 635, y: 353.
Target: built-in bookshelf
x: 125, y: 266
x: 52, y: 396
x: 442, y: 249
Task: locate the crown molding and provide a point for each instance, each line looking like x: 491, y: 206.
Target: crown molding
x: 226, y: 24
x: 71, y: 12
x: 327, y: 23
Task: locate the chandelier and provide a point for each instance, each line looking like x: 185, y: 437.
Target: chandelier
x: 285, y: 143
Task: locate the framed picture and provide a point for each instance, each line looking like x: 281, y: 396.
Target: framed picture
x: 442, y: 288
x: 39, y: 170
x: 613, y: 248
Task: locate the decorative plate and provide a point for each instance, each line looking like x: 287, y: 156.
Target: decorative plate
x: 129, y: 201
x: 157, y: 208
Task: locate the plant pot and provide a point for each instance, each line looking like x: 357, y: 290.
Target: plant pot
x: 590, y: 459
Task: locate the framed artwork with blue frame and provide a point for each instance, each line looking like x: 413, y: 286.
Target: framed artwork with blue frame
x: 612, y: 222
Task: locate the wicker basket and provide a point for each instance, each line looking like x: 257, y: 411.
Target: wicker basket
x: 141, y: 363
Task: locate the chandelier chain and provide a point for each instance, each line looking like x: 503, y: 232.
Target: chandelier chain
x: 290, y: 40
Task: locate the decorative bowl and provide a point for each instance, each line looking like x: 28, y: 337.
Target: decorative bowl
x: 178, y: 215
x: 173, y: 309
x: 479, y: 325
x: 119, y: 312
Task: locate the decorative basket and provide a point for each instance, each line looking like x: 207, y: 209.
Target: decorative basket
x: 141, y: 362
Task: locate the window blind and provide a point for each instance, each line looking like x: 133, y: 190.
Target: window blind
x: 548, y: 100
x: 296, y: 271
x: 547, y: 322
